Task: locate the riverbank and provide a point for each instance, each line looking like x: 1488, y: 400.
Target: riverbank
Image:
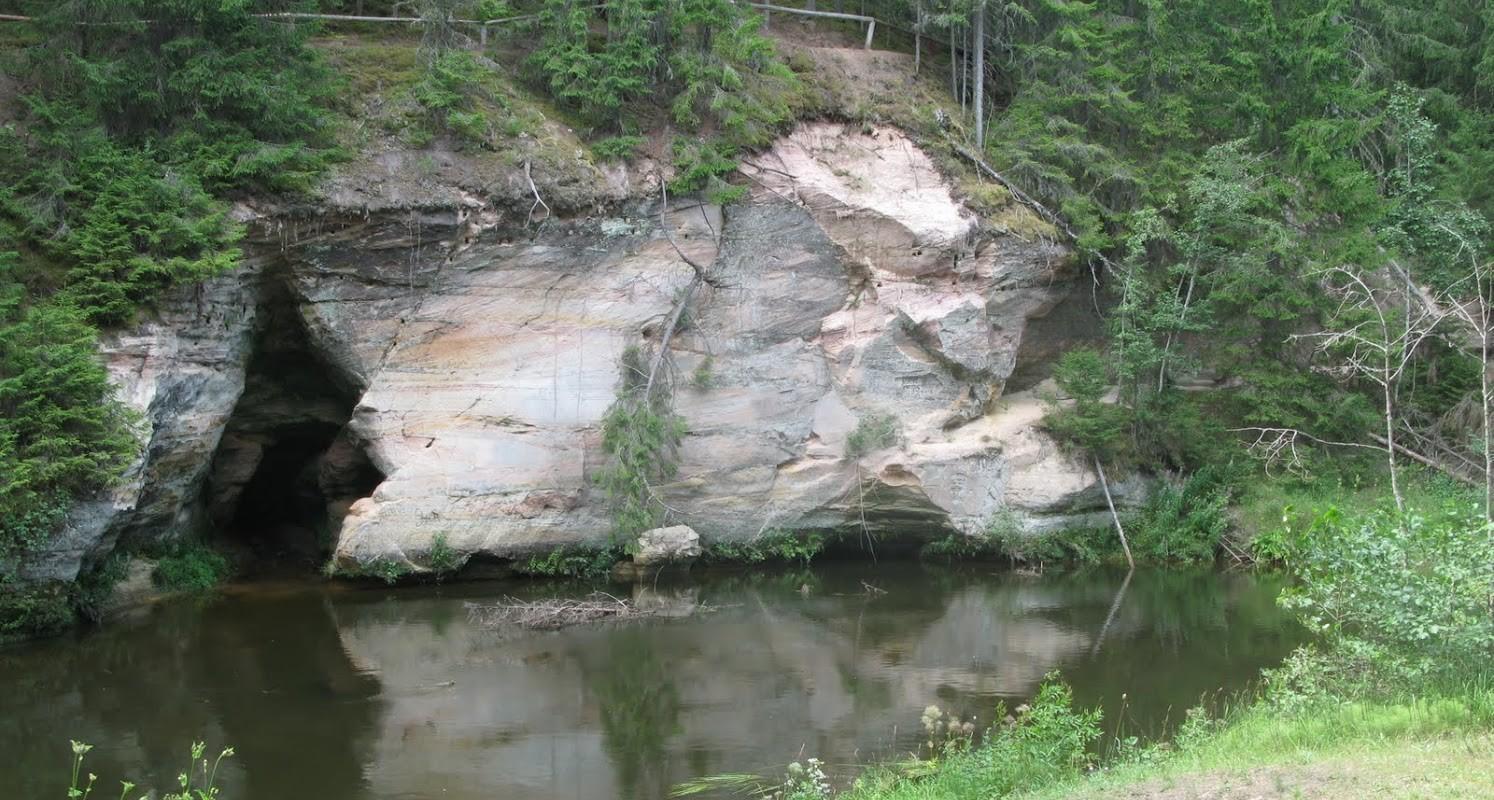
x: 1427, y: 747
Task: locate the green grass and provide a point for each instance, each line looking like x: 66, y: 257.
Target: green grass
x: 1328, y: 749
x: 1346, y: 736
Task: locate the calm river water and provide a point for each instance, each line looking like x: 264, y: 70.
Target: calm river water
x: 345, y: 693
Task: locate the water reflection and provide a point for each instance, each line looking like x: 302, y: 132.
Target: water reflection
x: 394, y: 694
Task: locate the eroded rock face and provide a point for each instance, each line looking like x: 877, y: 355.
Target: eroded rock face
x: 855, y: 305
x: 182, y: 373
x: 851, y: 288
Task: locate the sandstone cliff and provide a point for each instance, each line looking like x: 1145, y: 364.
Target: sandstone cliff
x: 437, y: 363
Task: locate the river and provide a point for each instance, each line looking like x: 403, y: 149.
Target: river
x: 338, y: 692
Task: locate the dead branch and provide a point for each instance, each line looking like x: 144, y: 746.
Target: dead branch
x: 1428, y: 462
x: 701, y: 277
x: 1277, y: 445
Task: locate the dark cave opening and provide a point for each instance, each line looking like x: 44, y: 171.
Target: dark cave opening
x: 288, y: 465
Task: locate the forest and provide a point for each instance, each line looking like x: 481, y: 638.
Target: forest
x: 1281, y: 212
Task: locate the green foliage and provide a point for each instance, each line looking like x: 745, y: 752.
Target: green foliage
x: 1048, y: 741
x: 134, y: 126
x: 703, y: 165
x: 704, y: 374
x: 33, y: 611
x: 1184, y: 521
x: 1409, y: 596
x: 61, y: 433
x: 95, y: 586
x: 774, y: 544
x: 388, y: 570
x: 706, y: 61
x: 617, y: 148
x: 571, y: 562
x: 1090, y: 423
x: 448, y: 91
x: 190, y: 566
x: 442, y: 559
x: 874, y: 431
x: 641, y: 435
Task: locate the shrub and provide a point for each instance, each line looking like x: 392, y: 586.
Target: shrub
x: 704, y: 375
x: 641, y: 435
x: 387, y: 570
x: 617, y: 148
x: 190, y: 566
x: 873, y: 432
x: 32, y: 611
x: 447, y: 92
x: 443, y: 559
x: 1184, y: 522
x: 1091, y: 424
x: 61, y: 432
x: 1405, y: 597
x: 775, y: 544
x: 571, y: 562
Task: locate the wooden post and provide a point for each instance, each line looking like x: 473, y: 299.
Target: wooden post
x: 871, y: 29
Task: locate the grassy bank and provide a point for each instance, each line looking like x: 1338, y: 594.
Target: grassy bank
x: 1434, y: 745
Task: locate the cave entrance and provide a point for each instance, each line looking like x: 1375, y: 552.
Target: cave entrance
x: 288, y: 466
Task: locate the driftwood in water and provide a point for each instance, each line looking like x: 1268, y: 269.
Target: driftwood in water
x: 554, y: 613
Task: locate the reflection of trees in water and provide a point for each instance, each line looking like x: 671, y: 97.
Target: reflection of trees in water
x: 254, y: 674
x: 639, y: 709
x: 297, y: 712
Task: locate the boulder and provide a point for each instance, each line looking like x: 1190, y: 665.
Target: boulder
x: 667, y: 545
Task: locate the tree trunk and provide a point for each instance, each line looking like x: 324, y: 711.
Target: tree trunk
x: 917, y: 36
x: 979, y: 40
x: 1121, y: 532
x: 965, y: 70
x: 1486, y: 397
x: 954, y: 83
x: 1395, y: 482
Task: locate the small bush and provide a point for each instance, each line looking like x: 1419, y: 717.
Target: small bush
x: 448, y: 93
x: 190, y: 566
x: 443, y: 559
x: 386, y: 569
x: 775, y: 544
x: 873, y: 432
x: 33, y: 611
x: 1184, y: 522
x: 704, y: 375
x: 571, y: 562
x: 617, y: 148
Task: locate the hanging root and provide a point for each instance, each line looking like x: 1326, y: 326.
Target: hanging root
x: 538, y: 201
